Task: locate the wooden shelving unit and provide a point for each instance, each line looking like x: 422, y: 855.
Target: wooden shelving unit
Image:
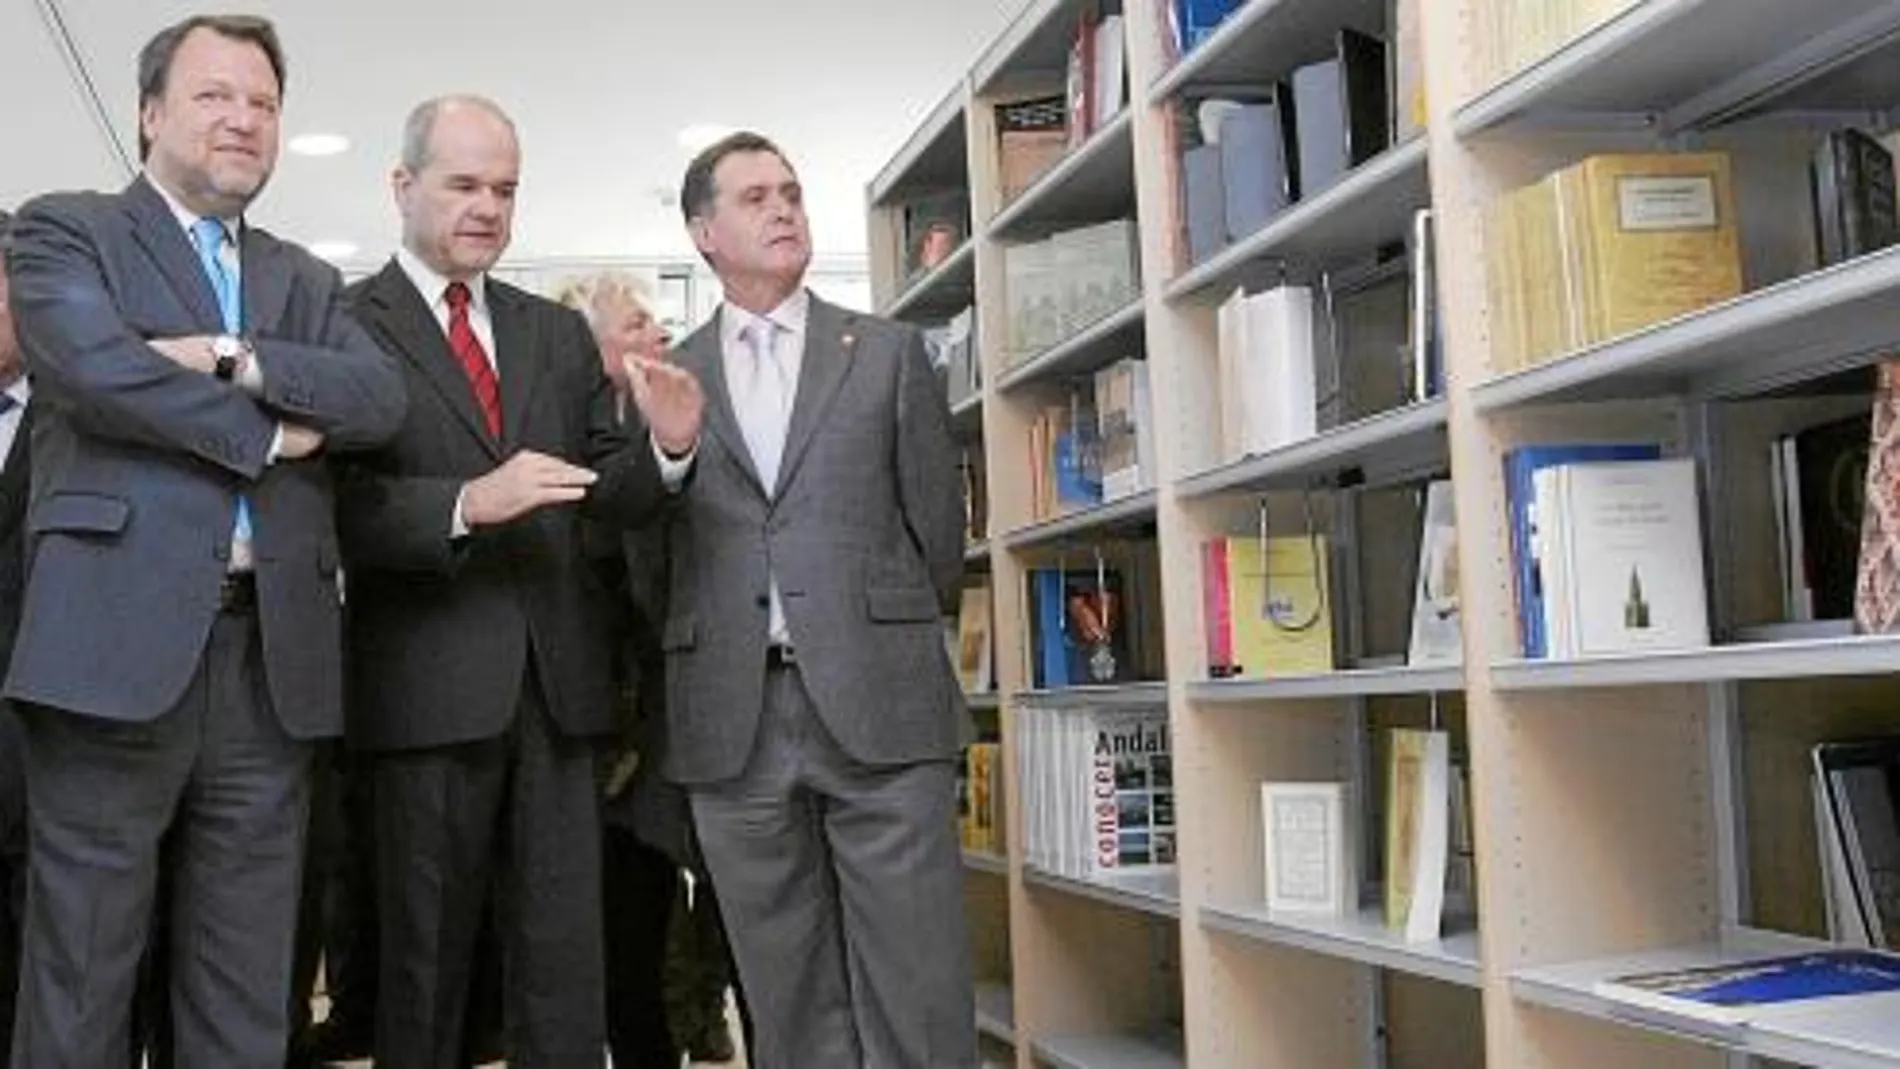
x: 1635, y: 810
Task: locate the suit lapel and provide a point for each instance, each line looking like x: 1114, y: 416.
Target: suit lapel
x: 158, y: 232
x: 829, y: 349
x: 706, y: 358
x: 516, y: 346
x: 399, y: 314
x: 265, y: 270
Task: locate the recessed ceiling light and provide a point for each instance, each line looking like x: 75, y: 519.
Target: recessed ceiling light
x: 333, y: 250
x: 319, y: 144
x: 700, y: 135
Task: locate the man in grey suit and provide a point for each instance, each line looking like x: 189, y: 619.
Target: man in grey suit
x: 180, y: 642
x: 811, y: 709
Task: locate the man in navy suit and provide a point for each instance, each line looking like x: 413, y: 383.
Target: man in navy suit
x: 180, y: 646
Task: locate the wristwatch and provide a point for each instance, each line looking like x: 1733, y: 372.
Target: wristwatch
x: 230, y: 352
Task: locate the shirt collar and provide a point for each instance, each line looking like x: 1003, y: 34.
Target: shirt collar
x: 187, y: 219
x: 431, y: 283
x: 21, y: 390
x: 790, y: 316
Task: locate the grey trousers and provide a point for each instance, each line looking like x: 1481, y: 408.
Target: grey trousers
x: 841, y: 885
x: 216, y: 769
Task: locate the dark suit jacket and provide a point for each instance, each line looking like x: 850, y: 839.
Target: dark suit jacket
x: 864, y: 532
x: 138, y: 462
x: 441, y: 630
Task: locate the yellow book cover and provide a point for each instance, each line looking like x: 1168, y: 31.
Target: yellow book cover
x: 1648, y: 236
x: 1281, y: 606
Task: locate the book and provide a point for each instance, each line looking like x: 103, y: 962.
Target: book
x: 1307, y: 849
x: 1734, y: 992
x: 1852, y: 182
x: 1437, y: 630
x: 1619, y: 547
x: 1417, y: 832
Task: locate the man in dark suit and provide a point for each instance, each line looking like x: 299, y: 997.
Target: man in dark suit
x: 480, y: 659
x: 179, y: 647
x: 811, y: 708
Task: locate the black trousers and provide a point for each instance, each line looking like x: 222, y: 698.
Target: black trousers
x: 218, y: 774
x: 517, y: 814
x: 640, y: 885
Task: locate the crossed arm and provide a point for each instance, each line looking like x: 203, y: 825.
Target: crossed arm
x: 338, y: 388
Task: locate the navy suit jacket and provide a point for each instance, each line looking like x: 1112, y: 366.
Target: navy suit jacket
x: 138, y: 462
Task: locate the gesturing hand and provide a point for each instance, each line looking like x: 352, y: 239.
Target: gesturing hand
x: 523, y: 483
x: 669, y: 399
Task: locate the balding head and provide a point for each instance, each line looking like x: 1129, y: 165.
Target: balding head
x: 455, y: 187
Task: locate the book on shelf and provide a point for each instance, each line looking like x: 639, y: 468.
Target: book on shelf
x: 1267, y: 357
x: 1605, y: 247
x: 1308, y: 849
x: 1818, y: 479
x: 1857, y: 825
x: 1417, y: 832
x: 1619, y: 557
x: 1267, y: 606
x: 952, y: 349
x: 1521, y: 465
x: 1032, y: 135
x: 934, y: 226
x: 1098, y: 789
x: 981, y: 806
x: 1512, y: 36
x: 1191, y: 22
x: 976, y: 670
x: 1061, y: 285
x: 1437, y: 627
x: 1855, y: 211
x: 1424, y: 341
x: 1341, y: 110
x: 1731, y: 994
x: 1079, y: 629
x: 1877, y: 569
x: 1096, y: 73
x: 1125, y: 429
x: 1065, y: 456
x: 1407, y: 60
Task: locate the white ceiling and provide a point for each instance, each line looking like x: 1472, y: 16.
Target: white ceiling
x: 599, y: 89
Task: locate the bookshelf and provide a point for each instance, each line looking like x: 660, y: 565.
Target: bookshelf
x: 1628, y: 811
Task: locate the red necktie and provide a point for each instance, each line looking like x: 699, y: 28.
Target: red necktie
x: 468, y: 349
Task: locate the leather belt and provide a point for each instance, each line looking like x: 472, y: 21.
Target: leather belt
x: 778, y: 656
x: 238, y: 592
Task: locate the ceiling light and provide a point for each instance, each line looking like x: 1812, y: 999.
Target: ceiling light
x: 700, y: 135
x: 319, y: 144
x: 333, y: 250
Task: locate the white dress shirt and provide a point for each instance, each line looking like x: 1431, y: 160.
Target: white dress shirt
x: 21, y: 390
x: 789, y: 319
x: 434, y: 288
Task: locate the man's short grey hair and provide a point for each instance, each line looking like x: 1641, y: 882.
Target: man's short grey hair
x: 419, y: 128
x: 6, y: 230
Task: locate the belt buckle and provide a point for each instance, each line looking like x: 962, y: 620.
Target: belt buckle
x: 778, y: 655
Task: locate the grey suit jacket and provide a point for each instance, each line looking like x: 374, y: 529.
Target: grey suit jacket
x: 864, y: 533
x: 138, y: 462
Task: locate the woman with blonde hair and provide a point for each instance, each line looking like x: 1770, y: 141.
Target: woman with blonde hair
x: 658, y: 1004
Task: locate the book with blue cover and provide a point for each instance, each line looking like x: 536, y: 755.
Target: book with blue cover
x: 1731, y: 993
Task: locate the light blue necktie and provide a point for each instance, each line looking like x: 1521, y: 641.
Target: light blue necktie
x: 210, y: 236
